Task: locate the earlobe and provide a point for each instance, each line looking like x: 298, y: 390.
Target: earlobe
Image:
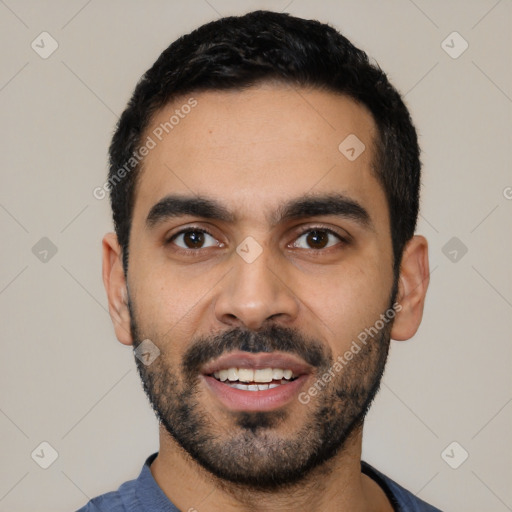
x: 412, y: 288
x: 116, y: 287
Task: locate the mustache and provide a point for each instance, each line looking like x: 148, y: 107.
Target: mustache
x: 274, y: 338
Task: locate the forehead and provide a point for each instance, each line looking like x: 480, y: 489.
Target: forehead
x: 256, y: 148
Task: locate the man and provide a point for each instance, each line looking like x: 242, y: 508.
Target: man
x: 264, y: 182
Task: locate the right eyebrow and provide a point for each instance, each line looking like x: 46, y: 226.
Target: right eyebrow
x: 176, y: 206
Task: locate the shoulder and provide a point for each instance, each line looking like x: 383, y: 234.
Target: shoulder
x: 122, y: 500
x: 126, y: 498
x: 401, y: 498
x: 110, y: 501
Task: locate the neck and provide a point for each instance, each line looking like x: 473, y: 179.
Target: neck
x: 336, y: 485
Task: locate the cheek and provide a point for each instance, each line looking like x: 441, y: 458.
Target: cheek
x: 170, y: 300
x: 348, y: 300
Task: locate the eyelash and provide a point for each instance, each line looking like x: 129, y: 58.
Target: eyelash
x: 343, y: 240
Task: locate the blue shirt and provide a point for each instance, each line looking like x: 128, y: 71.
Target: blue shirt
x: 144, y: 495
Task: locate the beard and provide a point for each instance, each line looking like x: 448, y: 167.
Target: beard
x: 246, y: 448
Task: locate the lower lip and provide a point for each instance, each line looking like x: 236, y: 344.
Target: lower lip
x: 265, y: 400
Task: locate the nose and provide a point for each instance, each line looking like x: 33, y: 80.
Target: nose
x: 256, y: 292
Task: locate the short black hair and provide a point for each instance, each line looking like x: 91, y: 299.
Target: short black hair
x: 237, y: 52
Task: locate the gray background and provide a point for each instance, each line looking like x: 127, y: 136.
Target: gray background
x: 65, y: 379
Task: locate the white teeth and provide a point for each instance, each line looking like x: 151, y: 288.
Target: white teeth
x: 277, y: 373
x: 232, y: 374
x: 245, y: 375
x: 264, y: 387
x: 255, y: 387
x: 259, y: 376
x: 265, y: 375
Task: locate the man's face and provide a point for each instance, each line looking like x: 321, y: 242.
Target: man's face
x: 262, y: 291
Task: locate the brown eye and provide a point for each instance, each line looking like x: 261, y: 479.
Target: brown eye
x: 318, y: 239
x: 190, y: 239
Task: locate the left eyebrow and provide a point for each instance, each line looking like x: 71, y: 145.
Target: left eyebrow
x: 302, y: 207
x: 338, y: 205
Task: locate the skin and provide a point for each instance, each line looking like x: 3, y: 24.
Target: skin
x: 252, y: 151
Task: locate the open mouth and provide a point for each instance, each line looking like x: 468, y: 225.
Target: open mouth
x: 248, y: 379
x: 243, y: 381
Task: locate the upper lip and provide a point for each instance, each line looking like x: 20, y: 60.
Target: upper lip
x: 257, y: 361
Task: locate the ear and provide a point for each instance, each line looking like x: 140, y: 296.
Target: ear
x: 116, y: 288
x: 412, y: 288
